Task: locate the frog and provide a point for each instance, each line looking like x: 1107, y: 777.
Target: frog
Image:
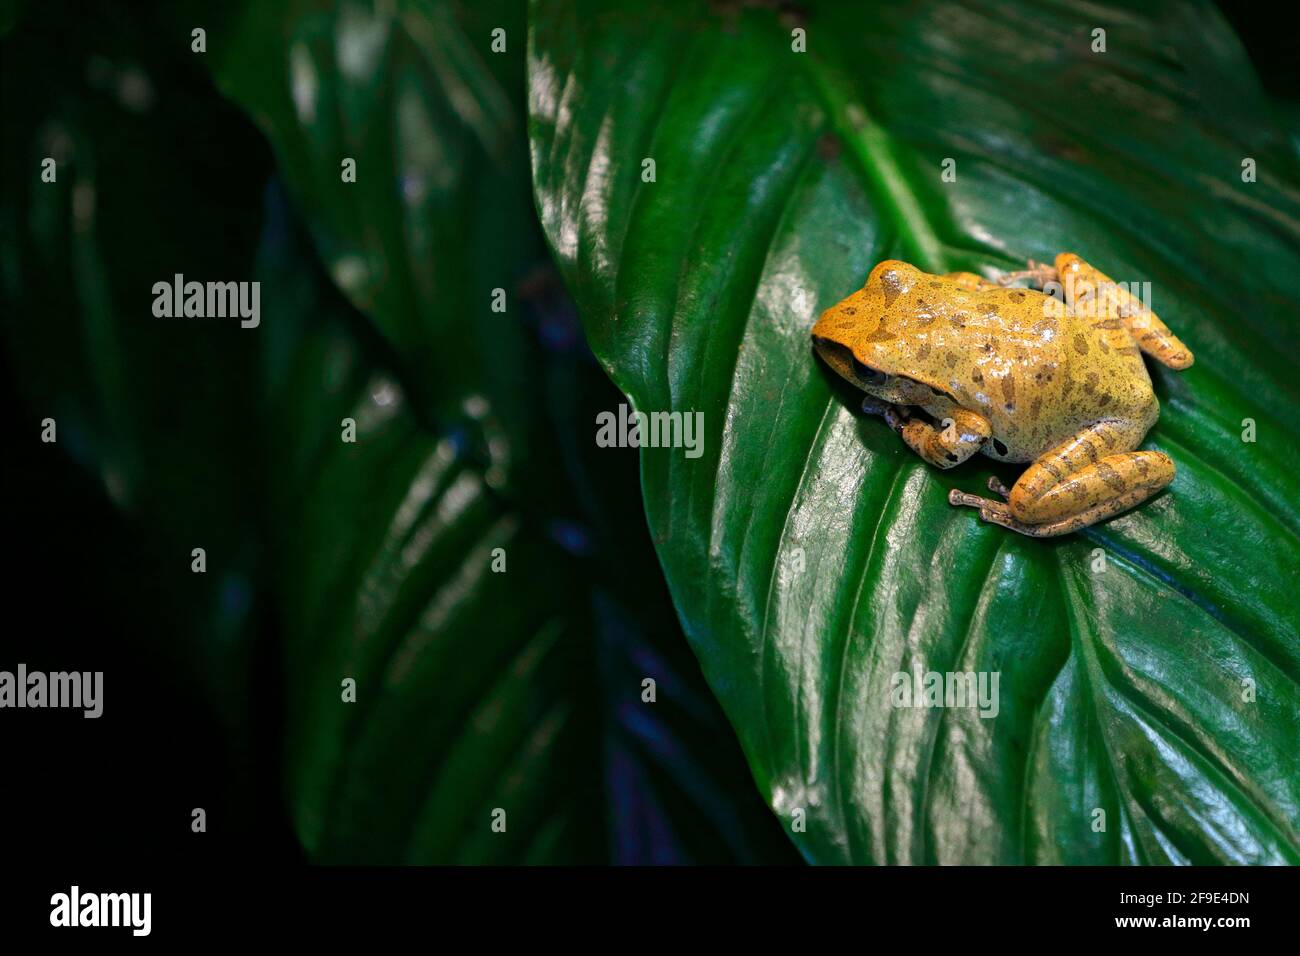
x: 958, y: 364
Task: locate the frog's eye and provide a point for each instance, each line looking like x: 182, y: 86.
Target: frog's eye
x: 868, y: 374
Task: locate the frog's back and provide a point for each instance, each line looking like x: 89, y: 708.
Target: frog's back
x: 1039, y: 372
x: 1106, y: 377
x: 1094, y: 373
x: 1001, y: 354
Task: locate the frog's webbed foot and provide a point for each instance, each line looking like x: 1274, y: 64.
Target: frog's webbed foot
x: 1040, y: 273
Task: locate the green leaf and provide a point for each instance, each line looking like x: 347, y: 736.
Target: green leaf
x: 810, y: 555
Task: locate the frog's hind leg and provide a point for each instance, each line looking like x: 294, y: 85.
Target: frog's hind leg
x: 997, y: 513
x: 1082, y: 282
x: 1087, y: 478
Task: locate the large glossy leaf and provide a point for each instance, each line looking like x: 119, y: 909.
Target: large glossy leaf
x: 810, y: 556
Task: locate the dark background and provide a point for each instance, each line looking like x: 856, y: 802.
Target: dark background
x: 86, y: 589
x: 90, y: 589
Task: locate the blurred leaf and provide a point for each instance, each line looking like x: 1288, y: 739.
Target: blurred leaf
x: 810, y: 555
x: 440, y: 215
x: 158, y: 410
x: 476, y: 690
x: 11, y: 11
x: 678, y: 788
x: 478, y: 687
x: 469, y: 682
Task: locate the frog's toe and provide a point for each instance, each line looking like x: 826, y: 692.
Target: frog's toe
x: 997, y: 487
x: 993, y: 512
x: 1048, y: 529
x: 958, y: 497
x: 1003, y: 517
x: 1040, y: 273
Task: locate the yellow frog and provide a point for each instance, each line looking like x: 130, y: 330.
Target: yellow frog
x: 1018, y: 375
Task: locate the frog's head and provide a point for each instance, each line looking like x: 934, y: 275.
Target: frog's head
x: 868, y: 343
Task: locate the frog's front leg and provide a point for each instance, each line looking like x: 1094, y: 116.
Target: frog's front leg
x: 894, y: 416
x: 961, y: 434
x: 1087, y: 478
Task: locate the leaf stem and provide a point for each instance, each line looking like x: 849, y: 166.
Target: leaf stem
x: 871, y: 146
